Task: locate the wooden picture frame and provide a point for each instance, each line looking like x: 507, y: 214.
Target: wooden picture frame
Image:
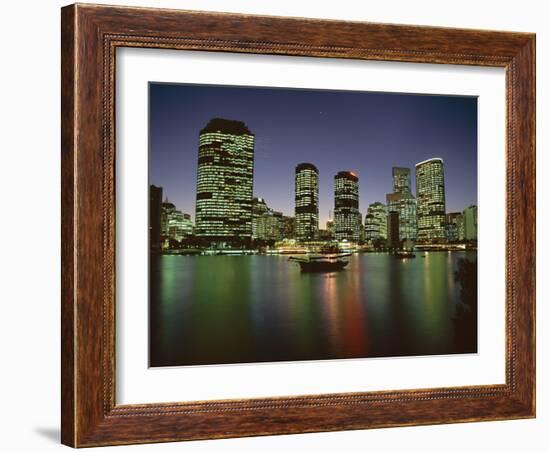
x: 90, y: 36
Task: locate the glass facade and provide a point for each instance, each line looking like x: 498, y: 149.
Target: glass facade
x: 455, y: 227
x: 375, y: 222
x: 393, y: 230
x: 224, y: 182
x: 430, y: 195
x: 403, y: 203
x: 267, y: 224
x: 306, y: 201
x: 289, y: 227
x: 470, y: 223
x: 401, y: 179
x: 347, y: 219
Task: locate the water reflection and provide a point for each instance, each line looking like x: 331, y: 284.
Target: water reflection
x: 235, y: 309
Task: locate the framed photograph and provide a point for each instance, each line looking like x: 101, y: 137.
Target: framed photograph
x: 281, y: 225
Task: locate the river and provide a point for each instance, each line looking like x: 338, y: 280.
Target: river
x: 242, y: 309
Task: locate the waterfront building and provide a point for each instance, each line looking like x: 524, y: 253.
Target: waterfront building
x: 306, y: 201
x: 393, y: 230
x: 270, y: 226
x: 325, y: 235
x: 404, y: 204
x: 267, y: 224
x: 288, y: 227
x: 224, y: 182
x: 455, y: 227
x: 401, y: 179
x: 180, y: 225
x: 155, y: 211
x: 430, y: 196
x: 330, y: 228
x: 347, y: 220
x: 259, y: 209
x: 470, y: 223
x: 376, y: 223
x: 167, y: 209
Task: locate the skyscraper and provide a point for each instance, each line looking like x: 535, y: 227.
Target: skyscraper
x: 167, y: 209
x: 259, y: 209
x: 393, y: 230
x: 347, y: 220
x: 470, y: 223
x: 306, y: 201
x: 267, y: 224
x: 403, y: 202
x: 375, y: 222
x: 401, y: 179
x: 224, y: 182
x: 455, y: 227
x: 180, y: 225
x: 430, y: 195
x: 288, y: 227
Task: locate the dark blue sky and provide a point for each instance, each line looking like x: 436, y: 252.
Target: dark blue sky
x: 364, y: 132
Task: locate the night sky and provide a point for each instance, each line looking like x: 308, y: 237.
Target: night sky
x: 364, y: 132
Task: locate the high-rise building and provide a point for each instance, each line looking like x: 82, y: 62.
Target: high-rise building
x: 167, y: 209
x: 403, y: 202
x: 405, y: 205
x: 470, y: 223
x: 306, y: 201
x: 330, y: 228
x: 259, y: 209
x: 430, y: 196
x: 180, y: 225
x: 401, y: 178
x: 224, y: 182
x: 288, y: 227
x: 376, y: 222
x: 455, y: 227
x: 347, y: 220
x: 393, y: 230
x: 155, y: 212
x: 267, y: 224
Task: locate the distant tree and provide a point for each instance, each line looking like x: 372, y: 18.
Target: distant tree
x: 465, y: 319
x: 466, y: 276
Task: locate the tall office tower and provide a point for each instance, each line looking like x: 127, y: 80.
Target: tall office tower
x: 306, y: 201
x: 330, y: 228
x: 288, y: 227
x: 347, y: 220
x: 404, y: 204
x: 223, y: 210
x: 167, y: 209
x: 155, y: 213
x: 180, y: 225
x: 393, y: 230
x: 270, y: 225
x: 455, y: 227
x: 267, y: 224
x: 430, y: 195
x: 470, y: 223
x: 376, y: 222
x: 259, y: 209
x: 401, y: 178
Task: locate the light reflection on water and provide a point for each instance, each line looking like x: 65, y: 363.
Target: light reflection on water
x: 235, y: 309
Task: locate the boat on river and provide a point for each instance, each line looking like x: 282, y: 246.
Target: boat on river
x: 322, y: 263
x: 404, y: 255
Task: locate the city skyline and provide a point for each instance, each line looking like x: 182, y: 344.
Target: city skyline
x: 173, y: 144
